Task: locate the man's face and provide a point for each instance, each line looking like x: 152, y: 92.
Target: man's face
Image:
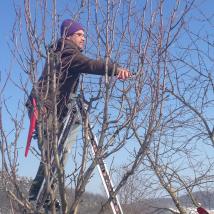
x: 78, y: 38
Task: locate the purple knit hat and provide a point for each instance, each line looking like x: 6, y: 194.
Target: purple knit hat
x: 69, y: 27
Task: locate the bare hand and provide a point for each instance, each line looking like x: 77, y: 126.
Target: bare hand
x: 123, y: 74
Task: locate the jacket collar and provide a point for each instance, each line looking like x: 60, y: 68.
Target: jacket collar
x: 67, y: 43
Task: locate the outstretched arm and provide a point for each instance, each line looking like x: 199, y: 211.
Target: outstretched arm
x: 75, y: 61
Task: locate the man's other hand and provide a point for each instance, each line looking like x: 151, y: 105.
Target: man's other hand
x: 123, y: 74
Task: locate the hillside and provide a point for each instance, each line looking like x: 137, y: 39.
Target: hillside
x: 91, y: 203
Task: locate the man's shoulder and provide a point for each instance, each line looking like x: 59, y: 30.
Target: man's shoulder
x: 65, y: 45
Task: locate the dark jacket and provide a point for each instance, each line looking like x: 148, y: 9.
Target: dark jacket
x: 71, y: 64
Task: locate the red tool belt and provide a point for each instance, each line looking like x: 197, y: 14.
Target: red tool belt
x: 33, y: 119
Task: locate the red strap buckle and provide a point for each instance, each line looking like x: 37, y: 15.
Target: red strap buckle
x: 201, y: 210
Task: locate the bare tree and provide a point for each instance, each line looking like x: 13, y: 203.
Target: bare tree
x: 179, y: 153
x: 146, y: 118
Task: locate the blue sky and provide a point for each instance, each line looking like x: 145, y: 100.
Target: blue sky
x: 28, y: 166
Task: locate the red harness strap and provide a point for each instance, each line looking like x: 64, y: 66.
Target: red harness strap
x: 202, y: 210
x: 33, y: 119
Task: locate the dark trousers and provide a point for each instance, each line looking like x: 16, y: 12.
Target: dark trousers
x: 68, y: 142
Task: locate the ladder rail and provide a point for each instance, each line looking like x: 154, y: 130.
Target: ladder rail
x: 102, y: 168
x: 108, y: 185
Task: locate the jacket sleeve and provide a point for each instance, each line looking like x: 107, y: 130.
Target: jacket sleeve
x: 75, y: 61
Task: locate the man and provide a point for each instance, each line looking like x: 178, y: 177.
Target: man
x: 72, y: 64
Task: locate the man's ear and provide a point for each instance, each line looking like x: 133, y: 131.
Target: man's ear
x: 69, y: 37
